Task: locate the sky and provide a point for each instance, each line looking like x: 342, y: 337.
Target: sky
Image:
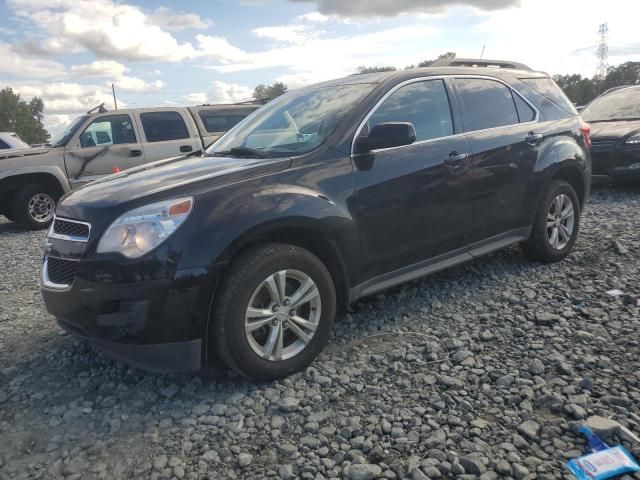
x: 69, y: 52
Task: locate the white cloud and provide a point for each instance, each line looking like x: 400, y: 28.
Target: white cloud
x: 134, y: 84
x: 100, y: 68
x: 178, y: 21
x: 316, y: 17
x: 107, y: 29
x: 64, y: 98
x: 221, y: 92
x: 218, y: 48
x: 14, y: 63
x: 294, y: 34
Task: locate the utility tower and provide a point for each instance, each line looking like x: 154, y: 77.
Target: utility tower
x: 603, y: 51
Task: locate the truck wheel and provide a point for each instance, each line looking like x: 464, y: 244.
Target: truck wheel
x: 274, y: 311
x: 556, y: 225
x: 33, y: 206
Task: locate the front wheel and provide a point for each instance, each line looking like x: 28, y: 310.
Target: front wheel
x: 556, y: 225
x: 274, y: 312
x: 33, y: 207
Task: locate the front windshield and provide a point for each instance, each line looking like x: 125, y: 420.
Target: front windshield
x: 623, y: 104
x: 61, y: 139
x: 293, y: 124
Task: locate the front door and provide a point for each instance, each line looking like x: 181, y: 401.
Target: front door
x: 108, y: 144
x: 411, y: 201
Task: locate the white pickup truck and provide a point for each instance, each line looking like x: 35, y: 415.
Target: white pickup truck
x: 100, y: 143
x: 10, y: 142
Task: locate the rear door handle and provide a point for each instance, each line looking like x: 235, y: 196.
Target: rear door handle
x: 186, y: 148
x: 135, y: 153
x: 534, y: 138
x: 456, y: 159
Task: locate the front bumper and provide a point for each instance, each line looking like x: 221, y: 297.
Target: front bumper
x: 155, y: 324
x: 616, y: 161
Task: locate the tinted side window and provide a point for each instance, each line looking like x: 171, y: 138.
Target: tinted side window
x: 548, y: 88
x: 4, y: 145
x: 485, y: 104
x: 108, y: 130
x: 424, y: 104
x: 220, y: 122
x: 525, y: 112
x: 163, y: 126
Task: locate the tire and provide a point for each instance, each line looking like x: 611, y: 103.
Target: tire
x: 245, y: 285
x: 33, y: 206
x: 541, y: 246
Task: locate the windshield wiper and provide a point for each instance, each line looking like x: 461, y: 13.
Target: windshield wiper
x: 243, y: 152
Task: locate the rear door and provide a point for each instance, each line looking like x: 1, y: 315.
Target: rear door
x: 167, y: 133
x: 501, y: 128
x: 109, y: 142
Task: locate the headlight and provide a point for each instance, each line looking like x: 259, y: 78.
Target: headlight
x: 633, y: 139
x: 142, y: 229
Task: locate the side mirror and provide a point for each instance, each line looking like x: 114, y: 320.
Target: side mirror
x: 387, y: 135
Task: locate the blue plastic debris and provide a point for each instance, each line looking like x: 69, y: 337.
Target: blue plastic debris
x: 604, y: 462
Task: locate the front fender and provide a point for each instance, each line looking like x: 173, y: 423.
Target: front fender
x: 7, y: 175
x: 222, y: 226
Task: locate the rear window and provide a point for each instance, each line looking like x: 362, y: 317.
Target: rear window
x: 163, y: 126
x: 546, y: 87
x: 215, y: 121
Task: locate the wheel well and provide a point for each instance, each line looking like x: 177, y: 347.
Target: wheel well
x: 572, y: 176
x: 316, y: 243
x: 9, y: 185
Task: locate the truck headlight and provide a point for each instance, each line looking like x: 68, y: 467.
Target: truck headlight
x: 633, y: 139
x: 142, y: 229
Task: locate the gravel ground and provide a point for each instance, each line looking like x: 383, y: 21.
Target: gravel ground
x: 483, y: 370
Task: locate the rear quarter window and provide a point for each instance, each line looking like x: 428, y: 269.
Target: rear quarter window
x: 546, y: 87
x: 163, y: 126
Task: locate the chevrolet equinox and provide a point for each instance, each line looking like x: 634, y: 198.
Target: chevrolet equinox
x: 249, y: 250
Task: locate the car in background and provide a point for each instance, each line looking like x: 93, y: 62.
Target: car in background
x: 100, y: 143
x: 10, y: 142
x: 327, y: 194
x: 614, y: 118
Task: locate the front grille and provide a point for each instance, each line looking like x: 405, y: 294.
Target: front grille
x: 61, y: 272
x: 69, y: 228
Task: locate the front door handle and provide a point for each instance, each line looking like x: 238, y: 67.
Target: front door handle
x: 534, y: 138
x: 186, y: 148
x: 135, y: 153
x: 456, y: 159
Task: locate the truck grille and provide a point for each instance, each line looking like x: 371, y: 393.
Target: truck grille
x: 70, y: 230
x: 61, y: 272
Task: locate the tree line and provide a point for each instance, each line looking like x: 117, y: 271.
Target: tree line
x: 22, y: 117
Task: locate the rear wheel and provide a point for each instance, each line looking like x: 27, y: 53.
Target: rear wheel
x: 274, y: 312
x: 556, y: 226
x: 33, y: 206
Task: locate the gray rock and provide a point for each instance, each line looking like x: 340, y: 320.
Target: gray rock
x: 289, y: 404
x: 529, y: 429
x: 364, y: 471
x: 244, y: 459
x: 473, y: 464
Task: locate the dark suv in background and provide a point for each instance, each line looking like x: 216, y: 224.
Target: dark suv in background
x: 614, y: 117
x: 327, y: 194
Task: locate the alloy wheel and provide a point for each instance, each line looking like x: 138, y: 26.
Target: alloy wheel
x: 283, y: 315
x: 41, y: 207
x: 560, y: 221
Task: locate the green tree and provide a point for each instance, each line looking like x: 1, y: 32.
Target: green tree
x: 627, y: 73
x: 580, y: 90
x: 428, y: 63
x: 362, y: 69
x: 25, y: 119
x: 269, y: 92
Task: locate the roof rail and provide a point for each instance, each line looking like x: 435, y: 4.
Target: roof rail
x: 478, y: 62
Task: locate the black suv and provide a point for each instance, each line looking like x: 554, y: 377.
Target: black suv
x: 327, y: 194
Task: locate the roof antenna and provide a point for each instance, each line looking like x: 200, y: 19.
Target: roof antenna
x: 115, y: 102
x: 482, y: 53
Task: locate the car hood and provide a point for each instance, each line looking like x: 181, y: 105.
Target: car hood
x: 613, y: 130
x: 163, y: 179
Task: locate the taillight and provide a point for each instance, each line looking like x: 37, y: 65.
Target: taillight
x: 585, y: 129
